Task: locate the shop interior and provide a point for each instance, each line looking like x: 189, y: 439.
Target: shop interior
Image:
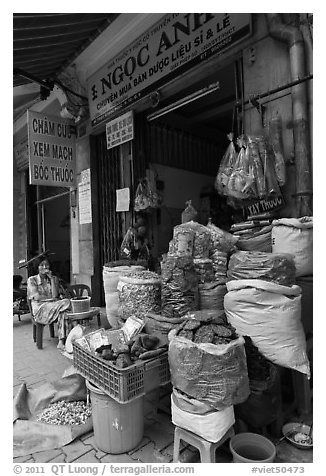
x: 186, y: 145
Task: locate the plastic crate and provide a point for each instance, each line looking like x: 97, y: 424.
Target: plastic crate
x: 157, y: 372
x: 123, y: 385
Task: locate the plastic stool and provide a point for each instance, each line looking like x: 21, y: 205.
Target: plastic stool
x: 206, y: 448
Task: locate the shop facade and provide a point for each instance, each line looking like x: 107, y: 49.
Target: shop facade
x: 186, y: 80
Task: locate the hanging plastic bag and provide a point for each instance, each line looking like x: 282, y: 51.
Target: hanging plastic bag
x: 241, y: 184
x: 275, y: 134
x: 142, y: 199
x: 226, y: 167
x: 268, y: 161
x: 257, y: 167
x: 128, y: 243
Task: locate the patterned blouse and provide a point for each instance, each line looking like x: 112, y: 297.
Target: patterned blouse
x: 42, y: 286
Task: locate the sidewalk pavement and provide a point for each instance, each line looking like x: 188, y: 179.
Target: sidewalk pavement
x: 35, y: 367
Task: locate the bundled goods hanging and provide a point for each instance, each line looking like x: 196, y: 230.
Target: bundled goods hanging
x: 111, y: 276
x: 211, y: 296
x: 207, y: 360
x: 199, y: 417
x: 264, y: 403
x: 295, y: 236
x: 270, y: 314
x: 253, y: 236
x: 191, y: 239
x: 139, y: 293
x: 256, y: 171
x: 179, y: 291
x: 278, y: 268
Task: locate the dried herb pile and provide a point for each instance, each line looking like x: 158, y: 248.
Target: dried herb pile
x: 139, y: 293
x: 66, y: 413
x: 216, y: 331
x: 179, y: 292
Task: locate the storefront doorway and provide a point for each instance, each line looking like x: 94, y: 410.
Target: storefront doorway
x: 48, y: 223
x: 185, y: 145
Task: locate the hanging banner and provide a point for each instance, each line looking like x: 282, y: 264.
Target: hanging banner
x: 85, y: 198
x: 21, y: 154
x: 172, y: 46
x: 52, y: 150
x: 120, y: 130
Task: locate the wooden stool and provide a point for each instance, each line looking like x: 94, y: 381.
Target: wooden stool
x: 206, y: 448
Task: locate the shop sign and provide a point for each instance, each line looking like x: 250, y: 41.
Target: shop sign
x: 175, y: 44
x: 260, y: 207
x: 120, y: 130
x: 21, y: 154
x: 85, y: 198
x: 52, y: 150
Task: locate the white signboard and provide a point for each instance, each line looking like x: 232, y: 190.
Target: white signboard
x: 123, y: 200
x: 120, y: 130
x: 84, y: 198
x: 172, y: 46
x: 52, y: 150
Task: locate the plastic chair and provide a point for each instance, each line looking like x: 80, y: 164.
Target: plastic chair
x: 77, y: 291
x: 38, y: 328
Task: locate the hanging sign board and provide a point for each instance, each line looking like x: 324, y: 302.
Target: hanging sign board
x: 84, y: 198
x: 260, y: 207
x: 52, y: 150
x: 120, y: 130
x: 21, y: 154
x: 172, y: 46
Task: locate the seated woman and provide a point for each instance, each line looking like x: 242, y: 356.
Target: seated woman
x: 47, y: 306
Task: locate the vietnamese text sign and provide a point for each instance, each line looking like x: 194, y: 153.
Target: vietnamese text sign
x: 52, y: 151
x: 84, y: 198
x: 21, y: 154
x: 120, y: 130
x: 262, y: 206
x: 173, y: 45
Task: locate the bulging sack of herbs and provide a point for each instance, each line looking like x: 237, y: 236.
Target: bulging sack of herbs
x: 189, y: 213
x: 139, y: 293
x: 226, y: 167
x: 212, y: 373
x: 211, y: 296
x: 221, y: 240
x: 270, y: 314
x: 179, y: 292
x: 220, y: 261
x: 278, y: 268
x: 192, y: 238
x: 204, y: 269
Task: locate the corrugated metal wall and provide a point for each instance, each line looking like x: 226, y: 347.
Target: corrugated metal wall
x: 177, y: 148
x: 108, y: 169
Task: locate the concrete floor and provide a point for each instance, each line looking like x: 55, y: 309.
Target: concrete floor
x: 35, y: 367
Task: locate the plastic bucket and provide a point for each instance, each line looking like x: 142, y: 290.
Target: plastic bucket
x: 118, y: 427
x: 252, y: 448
